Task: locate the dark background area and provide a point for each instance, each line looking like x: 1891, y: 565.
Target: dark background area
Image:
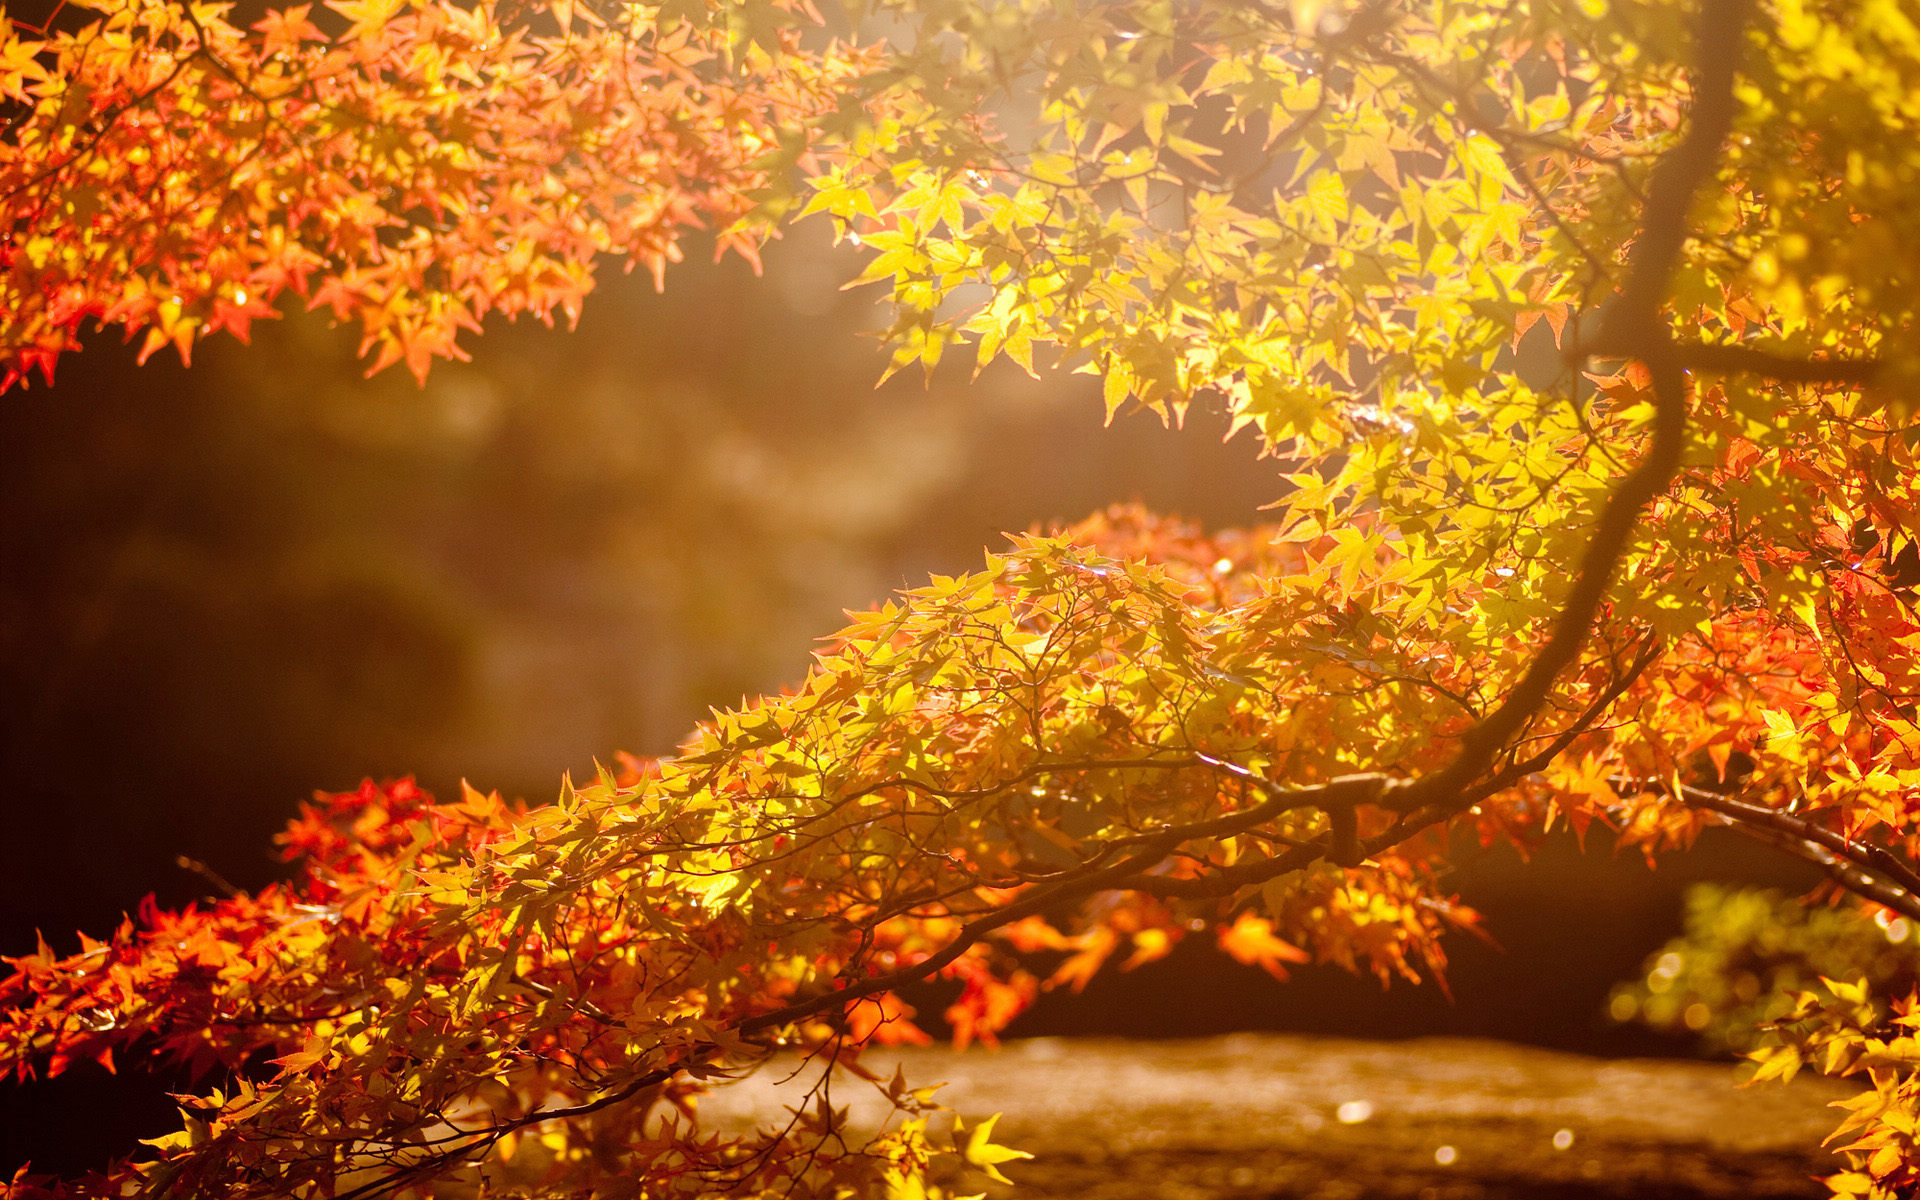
x: 223, y: 588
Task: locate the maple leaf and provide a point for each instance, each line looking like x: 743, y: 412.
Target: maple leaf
x: 1250, y: 940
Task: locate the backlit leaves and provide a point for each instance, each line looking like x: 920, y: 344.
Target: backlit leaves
x: 410, y: 168
x: 1588, y: 383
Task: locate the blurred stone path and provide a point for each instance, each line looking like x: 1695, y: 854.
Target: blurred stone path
x: 1293, y: 1118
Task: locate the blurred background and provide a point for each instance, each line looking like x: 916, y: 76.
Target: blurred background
x: 224, y: 587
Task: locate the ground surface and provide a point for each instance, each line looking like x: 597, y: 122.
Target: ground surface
x: 1275, y: 1116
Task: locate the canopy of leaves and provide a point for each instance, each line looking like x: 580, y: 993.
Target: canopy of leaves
x: 411, y: 168
x: 1581, y: 335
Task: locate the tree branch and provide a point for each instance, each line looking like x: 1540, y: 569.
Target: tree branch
x: 1633, y: 328
x: 1749, y: 360
x: 1852, y: 878
x: 1875, y: 859
x: 1632, y: 325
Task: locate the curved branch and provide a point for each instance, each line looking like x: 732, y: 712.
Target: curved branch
x: 1861, y: 883
x: 1633, y: 328
x: 1867, y: 857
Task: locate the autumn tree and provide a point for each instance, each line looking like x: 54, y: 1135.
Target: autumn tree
x: 1581, y: 335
